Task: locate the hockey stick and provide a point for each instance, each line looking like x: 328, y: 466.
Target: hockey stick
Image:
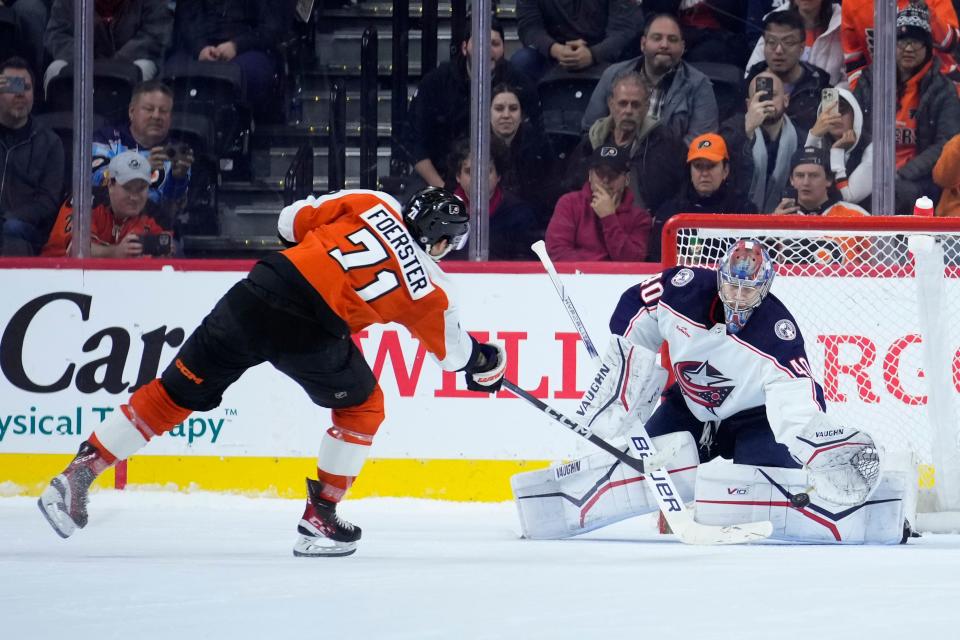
x: 659, y: 482
x: 581, y: 430
x: 540, y: 248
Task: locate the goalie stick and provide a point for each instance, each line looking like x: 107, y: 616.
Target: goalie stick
x: 581, y: 430
x: 659, y: 483
x: 540, y: 248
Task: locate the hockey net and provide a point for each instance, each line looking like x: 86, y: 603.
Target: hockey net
x: 877, y: 300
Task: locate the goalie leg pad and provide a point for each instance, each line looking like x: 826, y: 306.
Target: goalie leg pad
x: 575, y: 497
x: 729, y: 494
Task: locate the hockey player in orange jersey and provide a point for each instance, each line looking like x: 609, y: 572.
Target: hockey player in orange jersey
x: 857, y: 33
x: 354, y: 258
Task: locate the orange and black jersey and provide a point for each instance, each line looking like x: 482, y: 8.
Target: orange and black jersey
x: 857, y: 34
x: 352, y: 250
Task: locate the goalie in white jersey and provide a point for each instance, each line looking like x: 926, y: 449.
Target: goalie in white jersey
x: 743, y: 391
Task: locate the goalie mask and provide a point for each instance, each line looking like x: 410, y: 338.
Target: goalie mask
x: 743, y: 281
x: 435, y: 214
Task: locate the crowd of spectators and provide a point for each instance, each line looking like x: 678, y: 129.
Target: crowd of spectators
x: 141, y: 38
x: 651, y: 143
x: 799, y: 143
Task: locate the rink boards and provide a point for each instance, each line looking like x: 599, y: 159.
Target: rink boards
x: 76, y: 341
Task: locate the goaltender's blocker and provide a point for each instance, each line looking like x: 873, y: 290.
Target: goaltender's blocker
x: 743, y: 391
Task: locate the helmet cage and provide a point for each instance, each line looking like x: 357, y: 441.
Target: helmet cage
x: 743, y: 281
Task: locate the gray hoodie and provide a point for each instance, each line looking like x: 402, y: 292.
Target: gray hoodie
x: 852, y: 168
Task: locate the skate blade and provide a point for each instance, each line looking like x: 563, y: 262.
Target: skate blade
x: 311, y: 547
x: 55, y: 515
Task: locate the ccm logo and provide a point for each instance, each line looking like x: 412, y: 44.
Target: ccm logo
x: 737, y: 491
x: 189, y: 375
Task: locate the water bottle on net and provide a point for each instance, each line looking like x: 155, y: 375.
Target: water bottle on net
x: 923, y: 207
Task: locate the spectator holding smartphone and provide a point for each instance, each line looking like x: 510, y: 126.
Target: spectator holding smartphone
x: 811, y: 179
x: 148, y: 132
x: 119, y: 225
x: 762, y: 141
x: 839, y: 130
x: 31, y: 165
x: 784, y: 37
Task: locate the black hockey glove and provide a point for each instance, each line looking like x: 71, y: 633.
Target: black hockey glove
x: 484, y: 372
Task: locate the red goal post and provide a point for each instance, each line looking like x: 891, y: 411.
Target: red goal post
x: 877, y: 300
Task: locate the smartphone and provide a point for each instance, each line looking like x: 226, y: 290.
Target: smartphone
x: 14, y: 84
x: 789, y: 193
x: 829, y: 99
x: 180, y: 149
x: 157, y: 244
x: 765, y: 87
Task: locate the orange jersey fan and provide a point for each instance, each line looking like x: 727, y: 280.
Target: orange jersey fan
x: 857, y: 34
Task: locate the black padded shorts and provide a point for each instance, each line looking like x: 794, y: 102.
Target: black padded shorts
x: 243, y: 331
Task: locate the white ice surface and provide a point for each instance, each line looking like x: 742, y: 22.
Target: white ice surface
x: 180, y: 566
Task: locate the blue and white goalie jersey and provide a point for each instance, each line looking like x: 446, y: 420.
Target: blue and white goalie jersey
x: 721, y: 374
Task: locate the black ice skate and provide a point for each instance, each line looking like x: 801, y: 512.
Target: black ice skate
x: 322, y: 531
x: 64, y: 502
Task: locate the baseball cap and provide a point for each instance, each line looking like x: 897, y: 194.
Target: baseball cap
x: 607, y: 156
x: 708, y: 146
x: 127, y: 166
x: 809, y: 155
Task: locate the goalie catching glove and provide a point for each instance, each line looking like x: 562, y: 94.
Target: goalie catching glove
x: 629, y: 380
x: 843, y: 463
x: 484, y: 372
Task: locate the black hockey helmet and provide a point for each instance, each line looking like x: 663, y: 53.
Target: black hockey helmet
x: 434, y: 214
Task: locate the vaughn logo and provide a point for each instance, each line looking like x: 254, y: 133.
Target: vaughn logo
x: 567, y: 469
x: 830, y: 433
x: 82, y: 421
x: 100, y: 372
x: 590, y: 396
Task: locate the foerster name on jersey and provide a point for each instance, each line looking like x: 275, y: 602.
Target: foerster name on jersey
x: 398, y: 239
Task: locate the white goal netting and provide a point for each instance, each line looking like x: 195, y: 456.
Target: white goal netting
x: 878, y: 303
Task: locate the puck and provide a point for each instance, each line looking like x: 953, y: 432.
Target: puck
x: 800, y: 500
